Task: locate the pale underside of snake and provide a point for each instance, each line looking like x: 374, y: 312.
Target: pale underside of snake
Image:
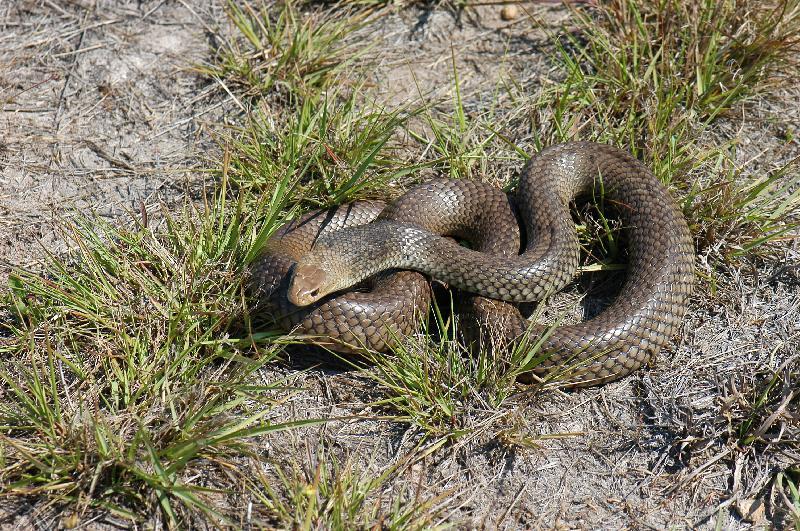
x: 308, y: 263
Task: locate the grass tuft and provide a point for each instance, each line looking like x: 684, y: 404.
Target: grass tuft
x: 444, y: 388
x: 736, y: 216
x: 332, y: 149
x: 285, y: 49
x: 645, y: 74
x: 121, y: 378
x: 766, y: 412
x: 326, y: 492
x: 652, y: 76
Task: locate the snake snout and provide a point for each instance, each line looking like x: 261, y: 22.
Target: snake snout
x: 307, y: 285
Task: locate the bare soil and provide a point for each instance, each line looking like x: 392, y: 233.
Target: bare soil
x: 100, y: 112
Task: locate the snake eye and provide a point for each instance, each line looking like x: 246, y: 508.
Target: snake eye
x: 314, y: 292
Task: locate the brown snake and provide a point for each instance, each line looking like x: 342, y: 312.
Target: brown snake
x: 326, y: 252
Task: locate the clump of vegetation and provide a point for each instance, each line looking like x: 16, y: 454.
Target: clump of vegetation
x: 327, y: 492
x: 332, y: 150
x: 652, y: 76
x: 120, y: 375
x: 285, y: 50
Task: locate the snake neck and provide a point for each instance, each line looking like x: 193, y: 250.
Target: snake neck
x: 347, y: 257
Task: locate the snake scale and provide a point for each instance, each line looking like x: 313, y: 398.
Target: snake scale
x: 383, y: 249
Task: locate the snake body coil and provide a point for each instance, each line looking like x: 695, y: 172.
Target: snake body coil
x: 408, y: 234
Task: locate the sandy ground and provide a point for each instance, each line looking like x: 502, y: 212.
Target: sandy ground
x: 100, y: 111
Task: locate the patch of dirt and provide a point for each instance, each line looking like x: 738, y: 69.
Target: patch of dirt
x: 99, y: 112
x: 420, y: 48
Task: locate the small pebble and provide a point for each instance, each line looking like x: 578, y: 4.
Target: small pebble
x: 750, y: 510
x: 509, y: 12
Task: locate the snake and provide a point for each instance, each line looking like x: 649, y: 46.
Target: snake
x: 523, y: 247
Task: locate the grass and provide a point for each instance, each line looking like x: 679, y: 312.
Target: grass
x: 654, y: 76
x: 758, y: 415
x: 283, y: 50
x: 455, y: 142
x: 438, y: 385
x: 127, y: 367
x: 763, y: 416
x: 647, y: 74
x: 331, y: 149
x: 791, y: 479
x: 446, y: 389
x: 331, y: 493
x: 120, y: 375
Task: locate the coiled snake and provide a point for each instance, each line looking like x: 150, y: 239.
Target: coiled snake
x: 325, y: 252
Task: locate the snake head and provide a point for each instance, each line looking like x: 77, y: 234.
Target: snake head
x: 342, y: 259
x: 308, y: 285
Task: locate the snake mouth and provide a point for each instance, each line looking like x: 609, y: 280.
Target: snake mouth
x: 307, y: 285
